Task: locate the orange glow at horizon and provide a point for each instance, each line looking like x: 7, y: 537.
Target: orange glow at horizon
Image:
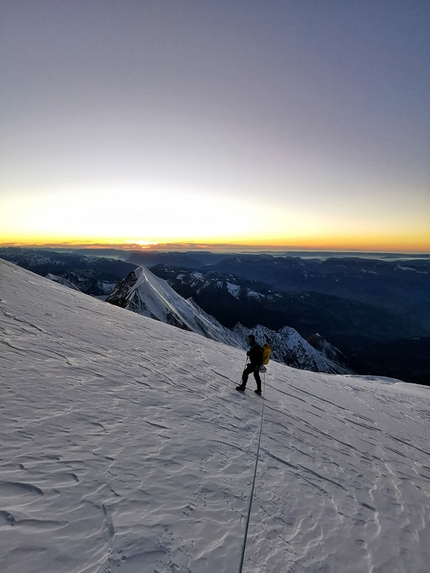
x: 160, y: 215
x: 417, y: 244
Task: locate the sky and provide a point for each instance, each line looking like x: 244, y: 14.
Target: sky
x: 295, y: 123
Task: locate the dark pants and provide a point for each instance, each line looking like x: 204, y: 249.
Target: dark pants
x: 255, y: 370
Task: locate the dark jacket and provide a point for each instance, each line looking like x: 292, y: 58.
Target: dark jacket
x: 255, y: 355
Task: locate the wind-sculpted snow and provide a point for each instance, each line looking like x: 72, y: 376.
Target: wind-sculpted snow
x: 125, y: 448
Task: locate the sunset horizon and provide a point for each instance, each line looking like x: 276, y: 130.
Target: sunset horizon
x: 275, y: 125
x: 222, y: 246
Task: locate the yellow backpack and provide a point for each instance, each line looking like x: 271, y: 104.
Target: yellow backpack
x: 265, y: 355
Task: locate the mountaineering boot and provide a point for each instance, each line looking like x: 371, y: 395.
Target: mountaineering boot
x: 241, y: 388
x: 258, y: 391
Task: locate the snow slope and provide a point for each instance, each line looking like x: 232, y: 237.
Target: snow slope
x: 125, y: 448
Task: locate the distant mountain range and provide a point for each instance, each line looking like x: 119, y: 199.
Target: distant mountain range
x: 92, y: 275
x: 401, y: 286
x: 376, y: 313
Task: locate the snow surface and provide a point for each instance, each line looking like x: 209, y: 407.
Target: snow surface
x: 125, y: 448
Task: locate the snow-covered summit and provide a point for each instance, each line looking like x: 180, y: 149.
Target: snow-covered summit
x: 125, y: 448
x: 144, y: 293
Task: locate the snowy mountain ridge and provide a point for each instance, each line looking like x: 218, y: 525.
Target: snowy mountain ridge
x: 288, y: 347
x: 125, y: 448
x: 146, y: 294
x: 93, y: 275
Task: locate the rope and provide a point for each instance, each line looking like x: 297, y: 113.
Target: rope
x: 248, y: 517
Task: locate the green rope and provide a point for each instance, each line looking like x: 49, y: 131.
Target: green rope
x: 242, y: 557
